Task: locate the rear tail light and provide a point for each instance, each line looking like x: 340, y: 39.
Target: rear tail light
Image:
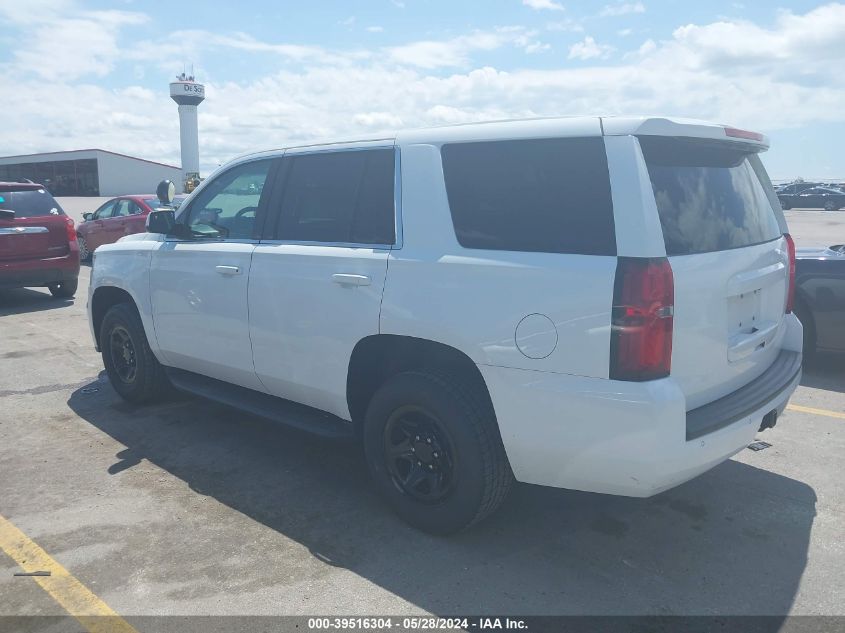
x: 790, y: 293
x: 642, y: 320
x: 71, y: 230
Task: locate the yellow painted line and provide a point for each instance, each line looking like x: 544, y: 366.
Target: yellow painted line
x: 91, y: 612
x: 825, y: 412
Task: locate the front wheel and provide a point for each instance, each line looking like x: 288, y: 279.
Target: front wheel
x: 434, y: 451
x: 63, y: 289
x: 830, y: 205
x: 131, y: 367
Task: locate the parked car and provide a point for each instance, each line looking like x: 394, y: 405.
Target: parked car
x: 464, y: 317
x: 120, y: 216
x: 820, y: 297
x: 795, y: 187
x: 37, y: 241
x: 826, y: 198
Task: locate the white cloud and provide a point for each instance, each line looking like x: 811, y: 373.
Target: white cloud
x: 623, y: 8
x: 68, y: 47
x: 375, y: 29
x: 540, y: 5
x: 565, y: 25
x: 588, y: 48
x: 456, y: 52
x: 736, y: 72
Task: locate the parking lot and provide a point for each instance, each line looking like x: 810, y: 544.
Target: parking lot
x: 186, y: 507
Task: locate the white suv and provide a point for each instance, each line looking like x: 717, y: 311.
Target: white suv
x: 601, y: 304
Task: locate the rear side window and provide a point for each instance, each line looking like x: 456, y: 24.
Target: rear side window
x: 343, y: 196
x: 30, y: 203
x: 708, y: 196
x: 544, y: 195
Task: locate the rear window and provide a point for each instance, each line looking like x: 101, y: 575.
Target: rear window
x: 543, y: 195
x: 30, y: 203
x: 708, y: 196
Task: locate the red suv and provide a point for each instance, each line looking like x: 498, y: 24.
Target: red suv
x: 37, y: 240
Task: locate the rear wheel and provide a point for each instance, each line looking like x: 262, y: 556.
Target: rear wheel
x: 131, y: 367
x: 64, y: 289
x: 434, y: 451
x: 785, y: 205
x: 84, y: 253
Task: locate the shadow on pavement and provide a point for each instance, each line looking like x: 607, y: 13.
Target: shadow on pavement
x: 733, y: 541
x: 24, y: 300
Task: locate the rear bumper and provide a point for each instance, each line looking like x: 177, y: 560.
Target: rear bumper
x: 39, y: 272
x: 616, y: 437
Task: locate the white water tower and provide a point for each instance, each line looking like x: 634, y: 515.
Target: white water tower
x: 188, y: 94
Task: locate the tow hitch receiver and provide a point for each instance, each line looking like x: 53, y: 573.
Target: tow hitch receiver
x: 769, y: 420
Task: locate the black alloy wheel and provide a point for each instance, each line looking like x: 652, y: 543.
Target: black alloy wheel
x: 123, y: 357
x: 418, y: 454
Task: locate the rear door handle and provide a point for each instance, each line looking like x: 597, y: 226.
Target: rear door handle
x: 345, y: 279
x: 228, y: 270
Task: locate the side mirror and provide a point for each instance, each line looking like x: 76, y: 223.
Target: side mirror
x: 87, y: 216
x: 164, y: 221
x: 161, y: 221
x: 7, y: 214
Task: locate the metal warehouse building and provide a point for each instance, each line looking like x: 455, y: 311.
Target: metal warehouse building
x: 88, y: 172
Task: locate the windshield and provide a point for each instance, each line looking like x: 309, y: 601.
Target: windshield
x: 708, y: 196
x: 30, y: 203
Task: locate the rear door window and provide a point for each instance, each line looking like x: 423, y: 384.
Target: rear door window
x: 339, y: 197
x: 30, y: 203
x: 539, y: 195
x: 708, y: 196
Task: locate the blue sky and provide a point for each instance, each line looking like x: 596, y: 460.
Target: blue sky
x: 95, y: 74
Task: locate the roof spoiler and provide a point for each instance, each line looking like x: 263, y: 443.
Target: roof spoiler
x: 684, y: 128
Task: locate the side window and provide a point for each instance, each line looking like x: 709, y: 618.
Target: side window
x: 121, y: 208
x: 543, y: 195
x: 134, y: 209
x: 343, y: 196
x: 104, y: 211
x: 227, y: 206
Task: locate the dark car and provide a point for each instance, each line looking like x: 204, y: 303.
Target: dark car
x: 795, y: 187
x: 826, y: 198
x: 37, y: 240
x: 820, y: 297
x: 120, y: 216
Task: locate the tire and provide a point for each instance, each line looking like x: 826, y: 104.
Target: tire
x: 830, y: 206
x: 784, y: 205
x: 131, y: 367
x: 471, y: 467
x: 64, y: 289
x: 84, y: 253
x: 805, y: 316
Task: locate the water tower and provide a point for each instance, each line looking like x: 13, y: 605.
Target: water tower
x: 188, y: 94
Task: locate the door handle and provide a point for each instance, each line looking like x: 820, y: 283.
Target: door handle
x: 228, y: 270
x: 351, y: 280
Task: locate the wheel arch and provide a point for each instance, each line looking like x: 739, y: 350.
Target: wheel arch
x: 102, y: 300
x: 375, y: 358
